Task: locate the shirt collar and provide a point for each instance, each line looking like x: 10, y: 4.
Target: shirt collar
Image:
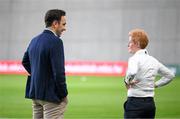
x: 142, y: 51
x: 51, y: 31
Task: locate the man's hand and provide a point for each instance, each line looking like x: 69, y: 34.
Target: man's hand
x: 65, y: 98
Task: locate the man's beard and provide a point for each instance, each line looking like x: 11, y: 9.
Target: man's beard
x: 58, y: 33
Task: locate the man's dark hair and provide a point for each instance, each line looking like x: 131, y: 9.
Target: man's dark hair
x: 52, y: 15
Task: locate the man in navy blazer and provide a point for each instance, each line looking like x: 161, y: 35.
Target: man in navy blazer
x: 44, y: 61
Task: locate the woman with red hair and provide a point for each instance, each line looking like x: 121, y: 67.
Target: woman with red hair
x: 140, y: 77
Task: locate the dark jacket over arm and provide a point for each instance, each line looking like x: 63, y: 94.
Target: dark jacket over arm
x: 56, y: 53
x: 26, y: 62
x: 44, y: 61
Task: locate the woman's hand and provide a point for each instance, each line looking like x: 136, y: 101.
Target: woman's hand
x: 132, y: 83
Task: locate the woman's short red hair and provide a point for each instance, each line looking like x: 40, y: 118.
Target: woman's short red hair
x: 140, y: 37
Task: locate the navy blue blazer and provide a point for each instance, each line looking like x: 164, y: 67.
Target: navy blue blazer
x: 44, y: 61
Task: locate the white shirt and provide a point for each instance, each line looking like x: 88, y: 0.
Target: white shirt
x: 144, y: 68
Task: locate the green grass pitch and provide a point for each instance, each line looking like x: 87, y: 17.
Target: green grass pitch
x: 89, y: 98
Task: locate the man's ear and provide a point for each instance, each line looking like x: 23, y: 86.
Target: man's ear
x: 54, y: 23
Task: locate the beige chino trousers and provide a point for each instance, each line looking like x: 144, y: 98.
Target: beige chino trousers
x: 49, y: 110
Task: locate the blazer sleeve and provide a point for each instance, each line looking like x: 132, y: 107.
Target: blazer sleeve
x: 58, y: 69
x: 26, y: 62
